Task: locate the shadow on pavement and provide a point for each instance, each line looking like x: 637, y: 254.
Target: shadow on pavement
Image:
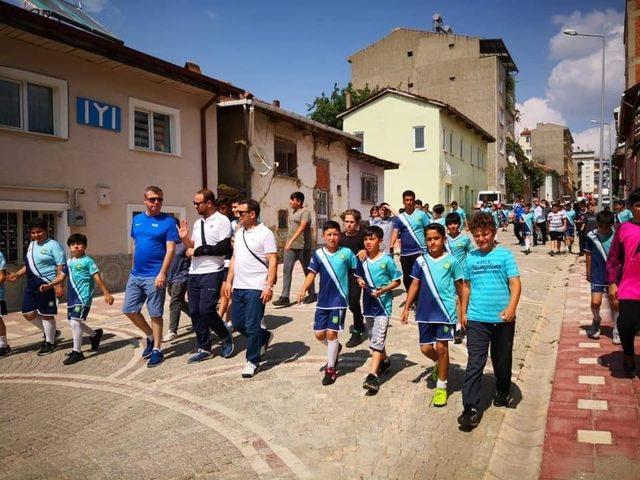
x: 284, y: 352
x: 398, y: 363
x: 613, y: 361
x: 273, y: 322
x: 349, y: 362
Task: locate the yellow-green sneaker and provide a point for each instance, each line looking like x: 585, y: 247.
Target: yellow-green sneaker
x: 440, y: 397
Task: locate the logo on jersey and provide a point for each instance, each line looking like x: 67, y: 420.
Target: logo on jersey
x: 445, y: 329
x: 154, y: 225
x: 447, y: 266
x: 335, y: 319
x: 77, y: 309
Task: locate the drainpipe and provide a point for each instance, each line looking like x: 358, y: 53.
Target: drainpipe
x: 203, y: 138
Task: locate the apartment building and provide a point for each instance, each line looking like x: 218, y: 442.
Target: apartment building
x: 473, y: 75
x: 551, y: 145
x: 586, y: 169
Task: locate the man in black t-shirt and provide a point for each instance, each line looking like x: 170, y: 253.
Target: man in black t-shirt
x: 353, y: 239
x: 588, y: 223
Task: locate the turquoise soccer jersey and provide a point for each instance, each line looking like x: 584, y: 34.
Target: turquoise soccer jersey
x: 460, y: 211
x: 440, y: 221
x: 3, y: 266
x: 528, y: 222
x: 411, y: 230
x: 42, y: 259
x: 81, y: 285
x: 571, y: 217
x: 334, y: 270
x: 624, y: 216
x: 378, y: 273
x: 437, y: 297
x: 598, y: 246
x: 459, y: 247
x: 488, y: 275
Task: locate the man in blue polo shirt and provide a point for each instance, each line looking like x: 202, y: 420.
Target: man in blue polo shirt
x: 154, y: 236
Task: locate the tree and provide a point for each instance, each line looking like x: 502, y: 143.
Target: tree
x: 514, y: 180
x: 536, y: 174
x: 325, y: 109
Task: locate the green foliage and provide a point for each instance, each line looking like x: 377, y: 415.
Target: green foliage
x: 325, y: 109
x: 510, y: 92
x: 515, y: 148
x: 536, y: 175
x: 514, y: 180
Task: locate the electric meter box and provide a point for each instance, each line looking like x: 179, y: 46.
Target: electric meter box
x: 77, y: 218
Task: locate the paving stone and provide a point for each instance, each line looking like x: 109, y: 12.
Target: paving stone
x: 588, y: 404
x: 596, y: 437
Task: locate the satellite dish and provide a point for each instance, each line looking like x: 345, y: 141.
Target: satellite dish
x: 437, y: 17
x: 259, y: 161
x: 447, y: 29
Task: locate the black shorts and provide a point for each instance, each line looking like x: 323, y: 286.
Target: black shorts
x: 556, y: 235
x: 3, y: 308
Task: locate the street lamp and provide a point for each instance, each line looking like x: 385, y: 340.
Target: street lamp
x: 609, y: 161
x: 573, y: 33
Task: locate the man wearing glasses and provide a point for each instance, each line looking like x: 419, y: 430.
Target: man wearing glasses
x: 209, y: 242
x: 154, y: 237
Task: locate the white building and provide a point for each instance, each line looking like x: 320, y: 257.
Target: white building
x: 586, y: 166
x: 366, y: 181
x: 524, y: 140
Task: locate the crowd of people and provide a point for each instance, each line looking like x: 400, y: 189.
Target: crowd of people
x: 458, y: 280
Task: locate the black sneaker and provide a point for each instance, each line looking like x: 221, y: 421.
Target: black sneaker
x: 384, y: 366
x: 329, y: 376
x: 502, y: 399
x: 4, y: 351
x: 458, y: 336
x: 282, y: 302
x: 73, y: 357
x: 310, y: 299
x: 355, y: 339
x: 95, y: 340
x: 371, y: 383
x: 46, y: 348
x: 470, y: 418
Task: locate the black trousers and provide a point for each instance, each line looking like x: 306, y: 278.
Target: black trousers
x: 542, y: 226
x: 406, y: 263
x: 517, y: 228
x: 204, y: 293
x: 483, y: 338
x: 355, y: 295
x: 628, y: 324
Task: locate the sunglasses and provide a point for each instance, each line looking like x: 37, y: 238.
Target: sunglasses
x: 154, y: 199
x: 242, y: 212
x: 197, y: 204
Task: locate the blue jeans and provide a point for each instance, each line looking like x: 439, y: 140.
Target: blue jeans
x: 247, y: 311
x: 204, y: 293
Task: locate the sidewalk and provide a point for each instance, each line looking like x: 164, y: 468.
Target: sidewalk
x: 593, y: 421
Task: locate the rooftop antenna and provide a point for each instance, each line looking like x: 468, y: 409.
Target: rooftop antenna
x: 439, y: 26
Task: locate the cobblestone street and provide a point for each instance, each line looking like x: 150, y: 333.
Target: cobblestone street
x: 111, y: 417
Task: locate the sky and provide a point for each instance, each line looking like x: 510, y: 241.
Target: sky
x: 293, y: 50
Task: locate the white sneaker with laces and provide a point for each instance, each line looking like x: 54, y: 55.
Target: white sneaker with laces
x: 615, y: 337
x: 169, y: 336
x: 249, y: 370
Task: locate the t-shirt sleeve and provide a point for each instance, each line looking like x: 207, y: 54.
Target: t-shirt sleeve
x: 392, y: 268
x: 314, y: 263
x: 397, y: 223
x: 457, y: 270
x: 172, y: 231
x: 359, y: 270
x: 425, y: 219
x: 353, y: 261
x: 305, y: 217
x: 511, y: 267
x: 270, y: 243
x: 58, y: 254
x: 588, y: 245
x: 93, y: 266
x: 416, y: 270
x: 466, y: 271
x: 65, y: 269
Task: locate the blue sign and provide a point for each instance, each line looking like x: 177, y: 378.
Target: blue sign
x: 98, y: 114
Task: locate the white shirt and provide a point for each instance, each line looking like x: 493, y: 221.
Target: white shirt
x: 538, y: 213
x: 556, y: 221
x: 387, y: 229
x: 216, y: 228
x: 248, y: 272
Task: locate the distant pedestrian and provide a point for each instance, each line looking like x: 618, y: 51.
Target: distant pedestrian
x: 252, y: 275
x: 570, y: 233
x: 557, y: 225
x: 622, y: 213
x: 5, y: 349
x: 518, y: 210
x: 540, y: 222
x: 526, y: 228
x: 385, y: 221
x: 177, y: 286
x: 438, y: 215
x: 297, y: 248
x: 154, y: 237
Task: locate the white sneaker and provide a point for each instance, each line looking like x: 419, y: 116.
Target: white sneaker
x: 249, y: 370
x: 169, y: 336
x: 615, y: 337
x: 229, y: 326
x: 263, y: 348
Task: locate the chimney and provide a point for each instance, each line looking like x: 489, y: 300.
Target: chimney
x: 347, y: 97
x: 276, y: 103
x: 192, y: 67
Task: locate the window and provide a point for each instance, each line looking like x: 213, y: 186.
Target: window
x: 471, y: 154
x: 33, y: 103
x: 447, y: 193
x: 360, y: 135
x: 444, y: 140
x: 369, y: 188
x: 478, y: 158
x: 461, y: 148
x: 285, y: 155
x: 9, y: 236
x: 528, y: 152
x: 451, y: 143
x: 156, y: 128
x: 501, y: 85
x: 501, y: 146
x: 501, y: 116
x: 283, y: 219
x: 419, y: 141
x: 410, y: 53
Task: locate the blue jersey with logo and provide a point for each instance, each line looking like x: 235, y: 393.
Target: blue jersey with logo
x: 80, y: 272
x: 437, y: 297
x: 460, y: 211
x: 3, y: 266
x: 527, y: 226
x: 411, y: 230
x: 334, y: 270
x: 440, y: 221
x: 598, y: 246
x: 571, y: 217
x: 151, y: 235
x: 459, y: 247
x: 624, y: 216
x: 488, y: 275
x: 41, y: 261
x: 377, y: 273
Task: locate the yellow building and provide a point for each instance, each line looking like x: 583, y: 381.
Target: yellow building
x: 441, y: 152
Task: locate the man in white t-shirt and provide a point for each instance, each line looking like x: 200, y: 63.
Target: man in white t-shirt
x: 252, y: 275
x: 209, y: 242
x: 557, y: 223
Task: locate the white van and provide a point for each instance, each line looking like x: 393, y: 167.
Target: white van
x: 490, y: 196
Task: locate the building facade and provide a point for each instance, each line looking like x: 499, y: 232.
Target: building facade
x: 442, y: 153
x: 87, y: 125
x: 473, y: 75
x: 524, y: 140
x: 551, y: 145
x: 366, y: 181
x: 585, y: 166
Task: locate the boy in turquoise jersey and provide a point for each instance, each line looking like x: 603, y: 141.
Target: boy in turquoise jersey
x: 378, y: 276
x: 82, y: 272
x: 526, y: 231
x: 438, y: 278
x: 623, y: 214
x: 489, y: 300
x: 334, y: 264
x: 438, y: 214
x: 5, y: 349
x: 569, y: 235
x: 463, y: 216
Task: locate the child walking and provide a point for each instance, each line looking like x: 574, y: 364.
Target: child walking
x: 378, y: 275
x: 437, y: 276
x: 527, y: 228
x: 334, y: 264
x: 5, y: 349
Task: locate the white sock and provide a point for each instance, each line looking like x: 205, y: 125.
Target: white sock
x: 86, y: 329
x: 37, y: 322
x: 49, y: 327
x: 441, y: 384
x: 332, y: 352
x: 615, y: 323
x: 3, y: 342
x: 596, y: 315
x: 76, y: 332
